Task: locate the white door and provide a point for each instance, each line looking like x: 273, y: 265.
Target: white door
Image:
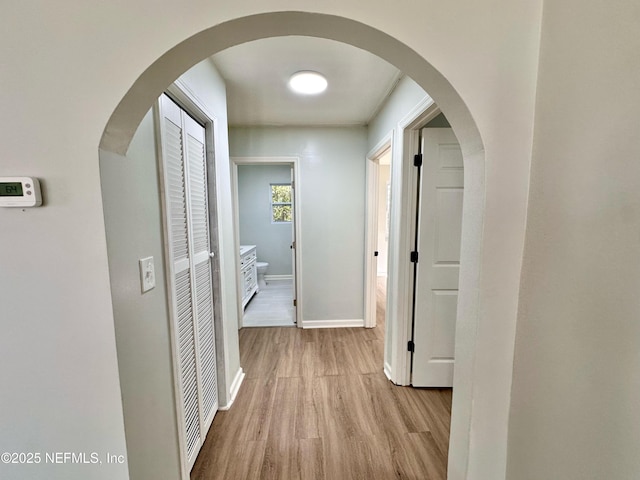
x: 439, y: 231
x: 186, y: 214
x: 202, y: 272
x: 294, y: 246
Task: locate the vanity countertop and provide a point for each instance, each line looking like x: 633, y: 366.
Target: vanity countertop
x: 246, y: 248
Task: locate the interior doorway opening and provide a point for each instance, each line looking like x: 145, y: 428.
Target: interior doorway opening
x: 150, y: 84
x: 377, y: 233
x: 265, y: 194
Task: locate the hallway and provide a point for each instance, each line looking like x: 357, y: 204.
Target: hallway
x: 315, y: 404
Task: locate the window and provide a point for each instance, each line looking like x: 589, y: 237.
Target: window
x: 281, y: 209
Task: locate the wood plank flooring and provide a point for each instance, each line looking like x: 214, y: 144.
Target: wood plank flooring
x: 315, y: 405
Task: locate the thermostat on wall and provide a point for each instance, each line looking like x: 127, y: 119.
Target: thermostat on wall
x: 20, y: 192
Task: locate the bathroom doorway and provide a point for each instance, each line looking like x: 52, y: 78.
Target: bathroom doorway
x: 267, y: 241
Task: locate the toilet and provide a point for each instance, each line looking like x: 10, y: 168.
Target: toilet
x: 262, y: 269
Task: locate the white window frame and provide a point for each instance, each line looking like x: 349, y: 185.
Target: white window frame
x: 272, y: 203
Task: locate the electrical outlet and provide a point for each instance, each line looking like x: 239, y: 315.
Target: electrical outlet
x: 147, y: 274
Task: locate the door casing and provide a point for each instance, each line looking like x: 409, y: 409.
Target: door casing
x: 400, y: 281
x: 371, y: 229
x: 297, y: 267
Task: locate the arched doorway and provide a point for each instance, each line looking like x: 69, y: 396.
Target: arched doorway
x: 131, y: 109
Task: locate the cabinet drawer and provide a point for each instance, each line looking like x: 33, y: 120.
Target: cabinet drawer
x: 247, y: 258
x: 247, y: 268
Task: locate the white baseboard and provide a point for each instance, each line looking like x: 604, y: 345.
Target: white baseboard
x: 278, y: 277
x: 387, y: 371
x: 358, y: 322
x: 233, y: 391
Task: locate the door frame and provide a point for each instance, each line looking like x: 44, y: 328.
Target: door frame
x: 371, y: 227
x: 400, y: 273
x: 297, y: 268
x: 182, y: 95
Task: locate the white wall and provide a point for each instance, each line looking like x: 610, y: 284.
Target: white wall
x: 402, y: 100
x: 272, y: 240
x: 133, y: 221
x: 70, y: 65
x: 134, y: 230
x: 576, y: 387
x: 331, y: 203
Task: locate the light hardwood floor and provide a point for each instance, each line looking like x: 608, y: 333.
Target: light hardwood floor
x: 315, y: 404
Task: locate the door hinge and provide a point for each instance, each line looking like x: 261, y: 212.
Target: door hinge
x: 417, y: 160
x: 295, y: 302
x: 411, y: 346
x: 414, y: 257
x: 375, y: 254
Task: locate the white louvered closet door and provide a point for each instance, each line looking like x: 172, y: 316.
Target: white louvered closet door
x: 187, y: 230
x: 201, y: 262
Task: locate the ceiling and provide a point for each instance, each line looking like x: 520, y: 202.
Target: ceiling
x: 256, y: 75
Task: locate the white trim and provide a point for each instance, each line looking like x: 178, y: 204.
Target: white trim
x: 278, y: 277
x: 387, y: 371
x: 297, y: 275
x: 371, y: 228
x: 418, y: 114
x: 391, y: 88
x: 401, y: 235
x: 184, y: 96
x: 347, y: 323
x: 381, y: 147
x: 236, y: 239
x: 272, y: 204
x: 264, y: 160
x: 235, y: 388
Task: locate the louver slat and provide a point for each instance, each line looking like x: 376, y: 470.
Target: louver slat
x: 187, y: 359
x: 177, y: 205
x: 206, y: 339
x: 198, y: 194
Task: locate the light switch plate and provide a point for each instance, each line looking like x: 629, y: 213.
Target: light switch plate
x: 147, y: 274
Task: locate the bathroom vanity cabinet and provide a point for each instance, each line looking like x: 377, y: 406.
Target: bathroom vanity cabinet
x: 248, y: 273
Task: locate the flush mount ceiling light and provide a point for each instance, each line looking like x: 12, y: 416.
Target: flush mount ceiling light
x: 307, y: 83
